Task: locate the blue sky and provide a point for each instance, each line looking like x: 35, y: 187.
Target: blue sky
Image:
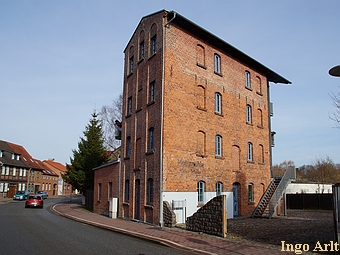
x: 60, y: 60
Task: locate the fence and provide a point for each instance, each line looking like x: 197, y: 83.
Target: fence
x: 310, y: 201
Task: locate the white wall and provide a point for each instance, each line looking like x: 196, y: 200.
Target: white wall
x: 190, y: 199
x: 298, y: 188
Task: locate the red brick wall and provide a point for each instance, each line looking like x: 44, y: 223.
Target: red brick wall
x: 103, y: 176
x: 183, y: 166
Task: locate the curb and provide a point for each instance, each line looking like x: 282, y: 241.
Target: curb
x: 130, y: 233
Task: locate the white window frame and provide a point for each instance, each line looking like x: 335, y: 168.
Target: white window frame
x: 250, y: 151
x: 250, y: 192
x: 200, y: 192
x: 248, y: 82
x: 219, y: 188
x: 218, y: 103
x: 248, y: 114
x: 217, y: 63
x: 218, y: 146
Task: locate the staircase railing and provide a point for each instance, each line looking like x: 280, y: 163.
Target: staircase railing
x: 265, y: 199
x: 289, y: 175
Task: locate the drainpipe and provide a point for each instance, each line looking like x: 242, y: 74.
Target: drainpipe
x: 270, y: 131
x: 161, y: 222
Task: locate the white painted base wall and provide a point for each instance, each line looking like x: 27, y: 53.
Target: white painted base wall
x: 190, y: 199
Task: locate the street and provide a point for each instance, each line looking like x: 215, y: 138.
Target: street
x: 39, y: 231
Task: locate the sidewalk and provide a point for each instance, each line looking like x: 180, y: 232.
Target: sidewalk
x: 173, y: 237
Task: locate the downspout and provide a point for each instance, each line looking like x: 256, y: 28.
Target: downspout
x: 162, y: 120
x: 270, y: 131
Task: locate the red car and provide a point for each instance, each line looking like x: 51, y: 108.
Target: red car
x: 34, y: 201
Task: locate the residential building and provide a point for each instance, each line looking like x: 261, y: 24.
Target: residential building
x: 20, y: 171
x: 196, y: 122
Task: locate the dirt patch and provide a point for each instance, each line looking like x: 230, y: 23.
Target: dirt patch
x: 298, y: 227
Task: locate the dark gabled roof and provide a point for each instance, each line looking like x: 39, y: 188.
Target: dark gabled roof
x: 6, y: 158
x: 228, y: 49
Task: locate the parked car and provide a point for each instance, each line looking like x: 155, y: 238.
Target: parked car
x: 34, y: 201
x: 43, y: 194
x: 21, y: 195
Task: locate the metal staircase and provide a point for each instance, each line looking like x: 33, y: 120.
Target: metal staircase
x: 271, y: 198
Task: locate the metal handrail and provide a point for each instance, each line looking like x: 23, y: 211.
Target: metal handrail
x: 289, y: 175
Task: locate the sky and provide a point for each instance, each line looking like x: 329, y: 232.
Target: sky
x: 61, y: 60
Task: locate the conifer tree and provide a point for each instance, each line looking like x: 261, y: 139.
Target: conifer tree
x: 91, y: 153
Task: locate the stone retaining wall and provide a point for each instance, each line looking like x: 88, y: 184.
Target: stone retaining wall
x: 210, y: 218
x: 169, y: 217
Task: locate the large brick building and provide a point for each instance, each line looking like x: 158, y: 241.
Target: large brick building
x: 196, y: 121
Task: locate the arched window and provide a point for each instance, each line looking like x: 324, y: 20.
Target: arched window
x: 153, y: 40
x: 218, y: 146
x: 218, y: 103
x: 200, y: 191
x: 261, y: 149
x: 201, y: 97
x: 217, y: 63
x: 128, y: 147
x: 131, y: 60
x: 151, y: 139
x: 141, y: 45
x: 259, y: 112
x: 250, y: 151
x: 248, y: 85
x: 259, y: 85
x: 248, y: 114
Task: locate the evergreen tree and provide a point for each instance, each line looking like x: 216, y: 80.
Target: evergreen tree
x: 91, y: 153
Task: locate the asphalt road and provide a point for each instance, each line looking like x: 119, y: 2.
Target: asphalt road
x: 39, y: 231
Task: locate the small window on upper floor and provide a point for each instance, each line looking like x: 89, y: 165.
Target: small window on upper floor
x: 153, y: 45
x: 152, y: 91
x: 250, y: 152
x: 128, y: 146
x: 131, y: 65
x: 248, y: 113
x: 218, y: 146
x: 129, y: 106
x: 141, y: 50
x: 151, y: 139
x: 248, y: 85
x: 200, y: 55
x: 218, y: 103
x: 217, y: 63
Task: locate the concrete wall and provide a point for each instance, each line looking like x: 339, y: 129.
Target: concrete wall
x: 297, y: 188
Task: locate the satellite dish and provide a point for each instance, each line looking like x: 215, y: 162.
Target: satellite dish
x: 335, y: 71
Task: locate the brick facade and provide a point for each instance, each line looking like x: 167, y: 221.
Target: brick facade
x: 169, y: 97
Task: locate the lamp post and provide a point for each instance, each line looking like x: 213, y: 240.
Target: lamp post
x: 335, y: 71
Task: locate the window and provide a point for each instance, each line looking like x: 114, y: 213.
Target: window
x: 151, y: 139
x: 150, y: 192
x: 200, y: 191
x: 129, y: 106
x: 218, y: 188
x: 250, y: 151
x: 248, y: 113
x: 217, y: 63
x: 153, y: 45
x: 1, y: 187
x: 3, y: 169
x: 128, y: 146
x: 110, y: 190
x: 127, y: 191
x: 152, y: 89
x: 14, y: 171
x: 218, y: 146
x: 20, y: 172
x: 218, y: 103
x: 250, y: 193
x: 259, y: 85
x: 1, y: 154
x: 141, y: 50
x: 100, y: 191
x: 25, y: 172
x: 248, y: 80
x: 131, y: 65
x: 7, y: 170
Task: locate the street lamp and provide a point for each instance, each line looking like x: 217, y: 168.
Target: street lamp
x: 335, y: 71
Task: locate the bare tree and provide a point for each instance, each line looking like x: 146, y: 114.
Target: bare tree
x: 110, y: 115
x: 279, y: 170
x: 336, y: 102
